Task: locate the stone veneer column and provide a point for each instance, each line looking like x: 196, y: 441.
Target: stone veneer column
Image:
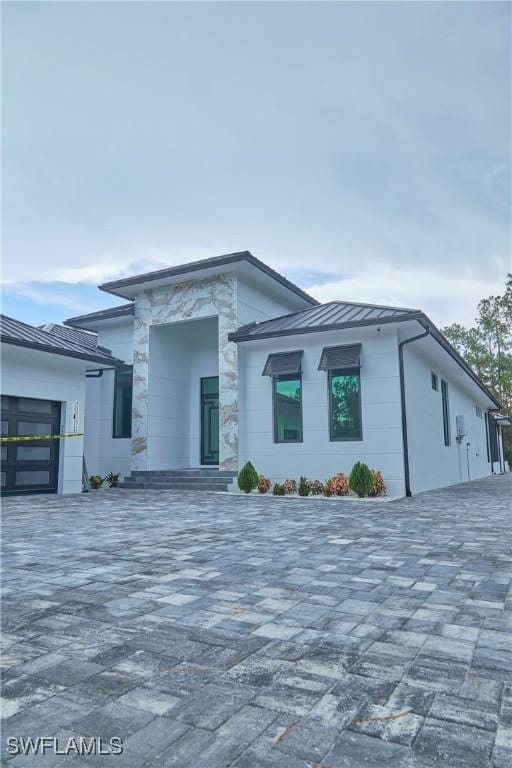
x: 201, y: 298
x: 228, y: 395
x: 141, y: 327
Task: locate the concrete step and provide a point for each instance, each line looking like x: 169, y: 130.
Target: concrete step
x: 173, y: 486
x: 190, y: 473
x: 156, y: 480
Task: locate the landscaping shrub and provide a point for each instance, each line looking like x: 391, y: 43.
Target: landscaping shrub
x: 290, y: 486
x: 247, y: 478
x: 304, y: 489
x: 338, y: 485
x: 95, y: 481
x: 316, y: 487
x: 326, y: 488
x: 113, y: 479
x: 263, y: 484
x: 361, y: 479
x: 278, y: 489
x: 378, y: 487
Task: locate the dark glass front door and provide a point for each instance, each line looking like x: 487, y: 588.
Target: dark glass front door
x: 30, y: 466
x: 210, y: 420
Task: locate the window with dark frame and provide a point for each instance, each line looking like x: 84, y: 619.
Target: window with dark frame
x: 487, y: 443
x: 446, y: 412
x: 479, y: 412
x: 122, y: 412
x: 345, y: 421
x: 287, y: 398
x: 435, y: 383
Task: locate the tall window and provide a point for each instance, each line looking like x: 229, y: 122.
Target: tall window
x: 446, y: 412
x: 122, y: 421
x: 345, y: 405
x: 287, y: 408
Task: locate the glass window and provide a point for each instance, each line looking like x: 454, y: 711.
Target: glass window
x: 287, y: 408
x: 435, y: 385
x: 345, y: 405
x: 39, y: 406
x: 446, y: 412
x: 4, y: 453
x: 27, y: 428
x: 210, y: 385
x: 5, y: 427
x: 33, y: 477
x: 122, y: 422
x: 33, y: 453
x: 3, y: 474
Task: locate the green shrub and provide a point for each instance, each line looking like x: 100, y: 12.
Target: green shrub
x: 96, y: 481
x: 304, y: 489
x: 278, y: 489
x: 361, y: 479
x: 112, y: 479
x: 247, y: 478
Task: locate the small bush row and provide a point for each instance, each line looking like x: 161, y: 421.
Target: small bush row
x: 96, y: 481
x: 362, y: 480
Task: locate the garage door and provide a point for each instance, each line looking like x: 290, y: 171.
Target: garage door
x: 30, y: 466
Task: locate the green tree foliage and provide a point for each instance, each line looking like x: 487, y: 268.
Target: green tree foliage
x: 487, y: 348
x: 361, y: 479
x: 248, y: 478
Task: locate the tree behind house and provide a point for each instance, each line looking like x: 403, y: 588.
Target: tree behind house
x: 487, y: 348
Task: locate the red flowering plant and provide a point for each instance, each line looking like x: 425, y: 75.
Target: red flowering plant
x: 290, y: 486
x: 263, y: 484
x: 316, y: 487
x: 378, y: 488
x: 338, y: 485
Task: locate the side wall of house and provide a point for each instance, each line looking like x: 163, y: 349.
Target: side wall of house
x: 33, y: 374
x: 255, y: 304
x: 432, y: 464
x: 103, y: 453
x: 317, y: 457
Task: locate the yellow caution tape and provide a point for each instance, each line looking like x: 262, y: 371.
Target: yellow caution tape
x: 21, y: 438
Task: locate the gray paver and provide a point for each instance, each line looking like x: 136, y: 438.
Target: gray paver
x: 216, y: 630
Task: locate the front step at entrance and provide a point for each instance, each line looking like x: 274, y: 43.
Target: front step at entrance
x: 201, y: 479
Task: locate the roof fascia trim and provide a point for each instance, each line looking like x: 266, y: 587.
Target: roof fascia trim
x: 63, y: 352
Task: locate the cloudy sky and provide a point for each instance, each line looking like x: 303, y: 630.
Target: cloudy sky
x: 363, y: 149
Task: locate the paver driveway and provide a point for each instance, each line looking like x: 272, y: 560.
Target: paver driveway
x: 216, y: 630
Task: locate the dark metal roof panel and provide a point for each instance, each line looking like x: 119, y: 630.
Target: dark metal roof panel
x: 102, y: 314
x: 115, y: 286
x: 83, y: 338
x: 21, y: 334
x: 322, y: 317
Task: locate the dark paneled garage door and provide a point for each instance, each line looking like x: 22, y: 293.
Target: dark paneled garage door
x: 30, y: 466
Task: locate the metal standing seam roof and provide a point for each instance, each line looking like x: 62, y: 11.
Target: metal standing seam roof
x: 115, y: 286
x: 21, y: 334
x: 102, y: 314
x: 334, y: 314
x: 87, y: 339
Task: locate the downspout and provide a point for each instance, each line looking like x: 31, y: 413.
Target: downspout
x: 401, y: 346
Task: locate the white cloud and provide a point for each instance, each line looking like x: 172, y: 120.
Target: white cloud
x: 443, y: 297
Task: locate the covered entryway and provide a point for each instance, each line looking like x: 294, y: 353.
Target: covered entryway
x: 30, y: 466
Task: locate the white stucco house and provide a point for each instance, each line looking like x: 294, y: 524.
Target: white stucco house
x: 220, y: 361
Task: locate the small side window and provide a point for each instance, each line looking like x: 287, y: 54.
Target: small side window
x: 478, y: 411
x: 122, y: 414
x: 446, y: 412
x: 435, y: 382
